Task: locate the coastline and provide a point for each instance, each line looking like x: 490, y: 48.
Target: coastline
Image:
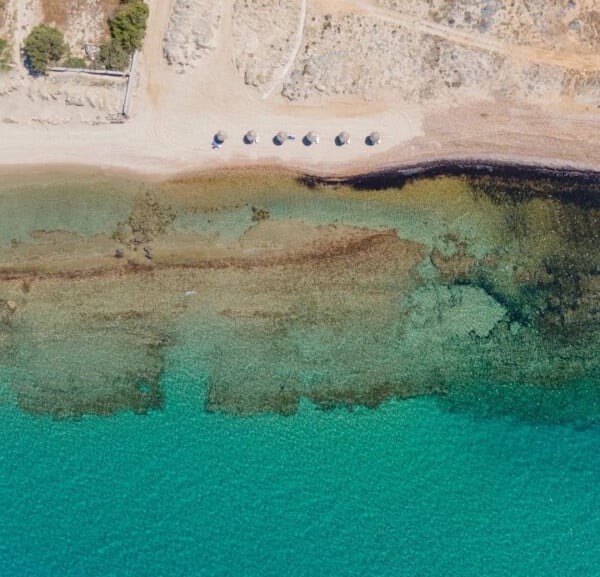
x: 175, y: 115
x: 345, y: 359
x: 371, y: 176
x: 518, y: 169
x: 118, y: 151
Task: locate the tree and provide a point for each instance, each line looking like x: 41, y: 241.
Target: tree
x: 44, y: 46
x: 112, y: 56
x: 128, y: 25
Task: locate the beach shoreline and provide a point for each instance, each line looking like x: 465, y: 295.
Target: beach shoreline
x: 144, y: 148
x: 371, y: 176
x: 498, y: 167
x: 176, y: 112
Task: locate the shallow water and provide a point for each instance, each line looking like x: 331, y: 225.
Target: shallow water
x: 484, y: 308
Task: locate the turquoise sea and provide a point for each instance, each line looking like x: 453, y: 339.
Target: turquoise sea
x: 406, y: 489
x: 145, y: 443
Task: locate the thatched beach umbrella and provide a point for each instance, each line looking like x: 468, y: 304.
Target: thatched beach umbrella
x: 251, y: 137
x: 220, y: 137
x: 374, y: 138
x: 343, y: 138
x: 311, y: 138
x: 280, y: 137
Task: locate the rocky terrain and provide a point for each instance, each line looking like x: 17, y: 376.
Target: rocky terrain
x: 64, y: 97
x: 263, y: 37
x: 416, y: 51
x: 192, y: 31
x: 516, y: 79
x: 60, y: 98
x: 552, y: 25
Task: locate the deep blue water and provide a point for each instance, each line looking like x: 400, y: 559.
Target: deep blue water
x: 406, y: 489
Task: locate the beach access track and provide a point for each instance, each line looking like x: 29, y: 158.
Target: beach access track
x: 278, y: 80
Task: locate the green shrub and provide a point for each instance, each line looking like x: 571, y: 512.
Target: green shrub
x: 75, y: 62
x: 4, y: 55
x: 43, y: 47
x: 112, y: 56
x: 128, y: 25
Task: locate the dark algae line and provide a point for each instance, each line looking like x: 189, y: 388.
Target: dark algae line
x: 476, y: 284
x: 520, y: 182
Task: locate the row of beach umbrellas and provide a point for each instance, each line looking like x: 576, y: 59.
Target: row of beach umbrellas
x: 251, y: 137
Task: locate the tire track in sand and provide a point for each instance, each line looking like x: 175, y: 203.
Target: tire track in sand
x: 584, y: 62
x: 297, y: 45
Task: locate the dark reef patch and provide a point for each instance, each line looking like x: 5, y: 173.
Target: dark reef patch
x: 575, y: 403
x: 69, y: 371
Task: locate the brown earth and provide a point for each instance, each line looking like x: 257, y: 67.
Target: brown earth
x: 64, y: 13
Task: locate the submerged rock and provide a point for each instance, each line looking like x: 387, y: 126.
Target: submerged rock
x: 100, y: 371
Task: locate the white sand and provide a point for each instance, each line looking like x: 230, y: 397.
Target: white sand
x: 174, y: 116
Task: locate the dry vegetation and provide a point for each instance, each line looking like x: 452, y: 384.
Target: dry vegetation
x: 263, y: 37
x: 2, y: 12
x: 421, y: 51
x: 59, y: 12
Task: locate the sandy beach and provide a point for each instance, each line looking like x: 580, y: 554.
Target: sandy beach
x: 175, y: 113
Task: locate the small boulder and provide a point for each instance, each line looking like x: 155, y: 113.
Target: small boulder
x: 119, y: 253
